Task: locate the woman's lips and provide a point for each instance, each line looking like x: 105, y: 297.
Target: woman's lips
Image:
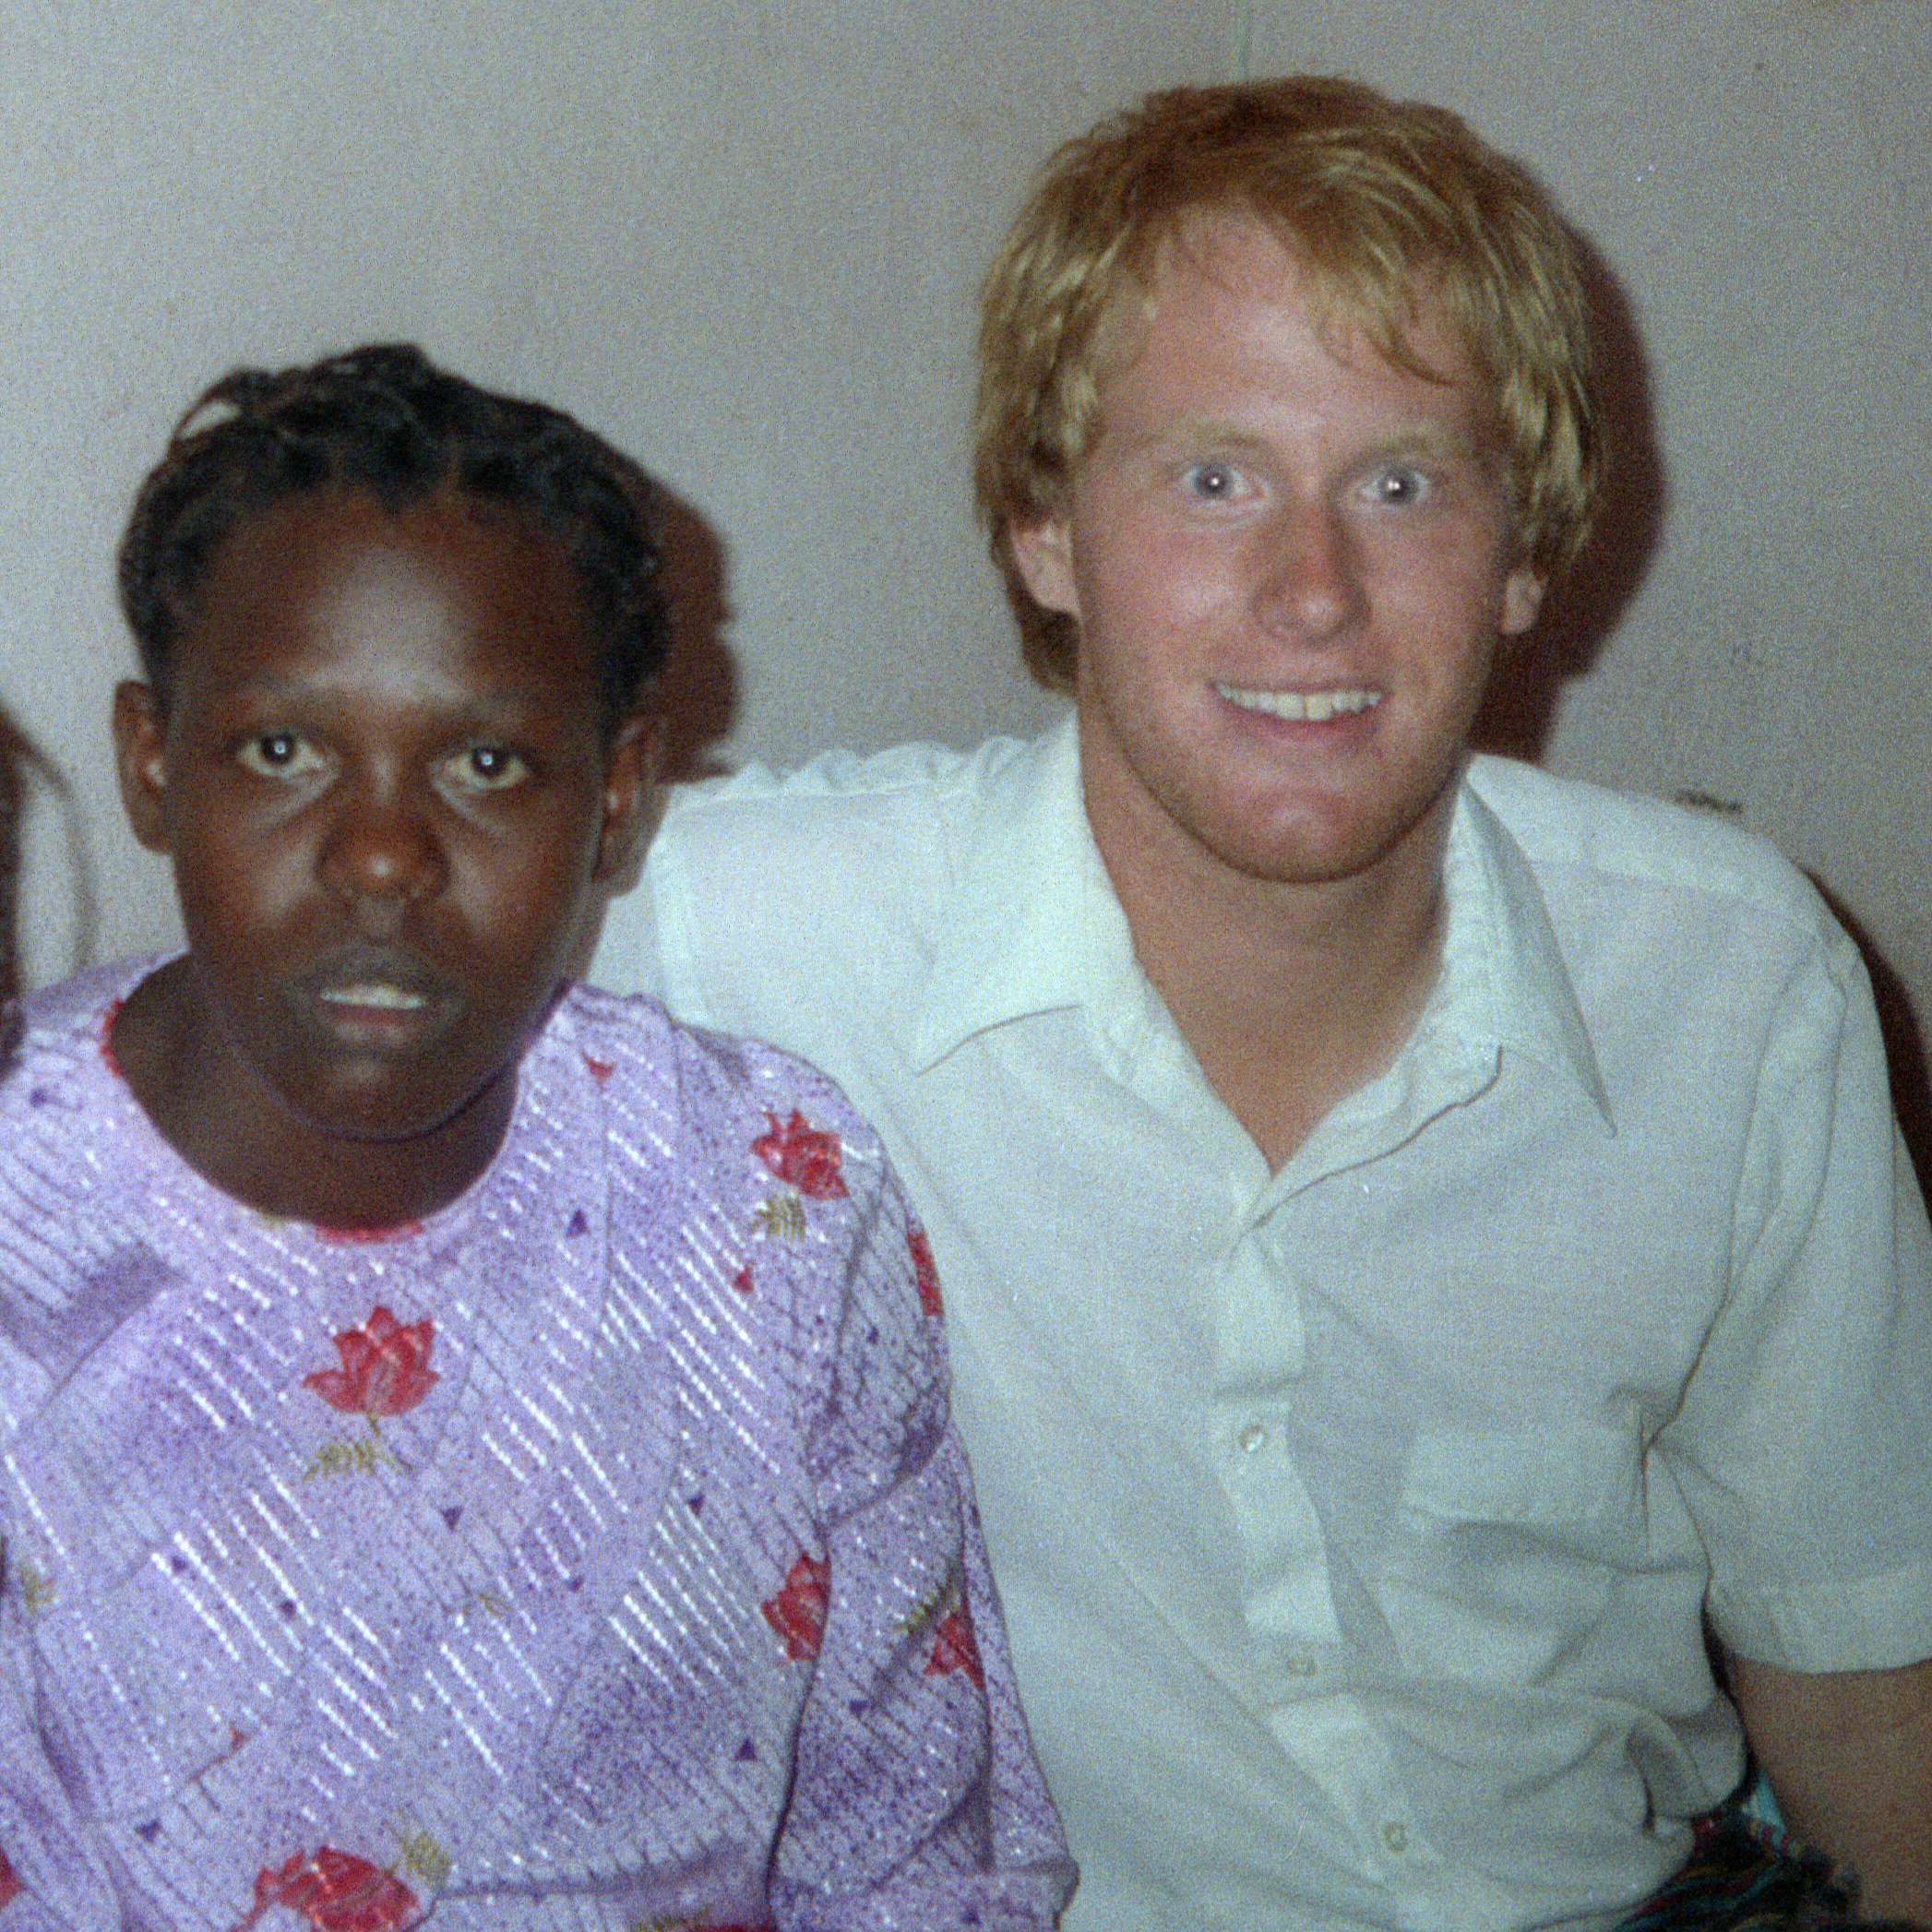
x: 380, y: 1001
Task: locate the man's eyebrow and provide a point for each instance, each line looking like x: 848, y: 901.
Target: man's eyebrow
x: 1218, y: 430
x: 1427, y: 441
x: 1421, y: 439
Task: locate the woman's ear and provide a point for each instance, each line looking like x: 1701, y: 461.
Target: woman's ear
x: 630, y: 778
x: 141, y: 759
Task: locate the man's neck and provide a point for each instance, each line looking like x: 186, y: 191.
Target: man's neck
x: 1291, y: 996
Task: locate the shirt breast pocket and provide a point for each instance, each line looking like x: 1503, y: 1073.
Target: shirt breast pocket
x: 1507, y: 1547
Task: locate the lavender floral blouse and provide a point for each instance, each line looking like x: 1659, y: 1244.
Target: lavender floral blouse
x: 596, y: 1554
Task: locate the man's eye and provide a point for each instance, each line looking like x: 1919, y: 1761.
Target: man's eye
x: 279, y: 754
x: 487, y: 767
x: 1211, y: 481
x: 1399, y: 485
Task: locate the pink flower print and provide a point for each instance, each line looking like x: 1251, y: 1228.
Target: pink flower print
x: 10, y: 1886
x: 804, y: 1157
x: 337, y: 1891
x: 925, y: 1272
x: 797, y: 1612
x: 385, y: 1367
x: 954, y: 1649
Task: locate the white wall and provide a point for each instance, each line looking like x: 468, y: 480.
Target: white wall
x: 743, y: 241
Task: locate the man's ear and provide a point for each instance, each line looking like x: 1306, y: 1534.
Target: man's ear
x: 1043, y: 553
x: 1522, y: 598
x: 141, y: 760
x: 630, y: 779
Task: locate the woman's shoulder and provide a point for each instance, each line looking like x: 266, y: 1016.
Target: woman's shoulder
x: 714, y: 1095
x: 60, y: 1043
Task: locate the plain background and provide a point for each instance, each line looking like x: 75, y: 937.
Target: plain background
x: 744, y: 242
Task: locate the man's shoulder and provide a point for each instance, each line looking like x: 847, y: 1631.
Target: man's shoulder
x: 914, y: 790
x: 1582, y: 840
x: 764, y: 893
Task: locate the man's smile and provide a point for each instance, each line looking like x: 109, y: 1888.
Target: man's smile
x: 1309, y: 707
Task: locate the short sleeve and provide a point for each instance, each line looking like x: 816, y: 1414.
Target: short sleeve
x: 1804, y: 1444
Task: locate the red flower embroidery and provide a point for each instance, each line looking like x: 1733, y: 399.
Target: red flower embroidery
x: 925, y: 1272
x: 806, y: 1157
x: 337, y: 1891
x: 385, y: 1367
x: 953, y: 1648
x: 797, y: 1612
x: 10, y: 1886
x: 742, y: 1280
x: 600, y: 1070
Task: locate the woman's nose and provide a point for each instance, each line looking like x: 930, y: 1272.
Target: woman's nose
x: 383, y: 853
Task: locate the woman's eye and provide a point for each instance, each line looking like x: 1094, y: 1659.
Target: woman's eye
x: 279, y: 754
x: 487, y: 767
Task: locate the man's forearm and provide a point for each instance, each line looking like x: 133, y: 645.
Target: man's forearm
x: 1848, y: 1756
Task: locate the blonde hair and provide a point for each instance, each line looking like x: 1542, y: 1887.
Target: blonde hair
x: 1383, y: 202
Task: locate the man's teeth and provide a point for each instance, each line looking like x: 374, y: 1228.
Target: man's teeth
x: 1309, y: 707
x: 396, y: 998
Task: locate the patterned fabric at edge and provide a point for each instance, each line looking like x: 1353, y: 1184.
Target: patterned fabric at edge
x: 596, y: 1554
x: 1746, y: 1876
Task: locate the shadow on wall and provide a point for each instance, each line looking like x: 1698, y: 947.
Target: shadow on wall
x: 699, y: 685
x: 698, y: 690
x: 1521, y: 706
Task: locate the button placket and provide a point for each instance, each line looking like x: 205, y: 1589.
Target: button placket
x: 1288, y: 1609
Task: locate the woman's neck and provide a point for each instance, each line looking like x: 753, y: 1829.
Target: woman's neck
x: 230, y: 1125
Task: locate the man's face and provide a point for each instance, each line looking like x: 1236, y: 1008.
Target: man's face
x: 384, y: 787
x: 1289, y: 562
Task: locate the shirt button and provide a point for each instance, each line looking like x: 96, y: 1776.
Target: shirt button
x: 1301, y: 1666
x: 1395, y: 1835
x: 1252, y: 1438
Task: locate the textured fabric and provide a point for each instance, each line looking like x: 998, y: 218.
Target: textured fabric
x: 1746, y: 1876
x: 596, y: 1554
x: 1353, y: 1522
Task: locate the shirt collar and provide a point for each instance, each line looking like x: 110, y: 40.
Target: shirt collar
x: 1502, y: 975
x: 1033, y: 927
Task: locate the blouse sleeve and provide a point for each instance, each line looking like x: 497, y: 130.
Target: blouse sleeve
x: 916, y: 1801
x: 49, y: 1881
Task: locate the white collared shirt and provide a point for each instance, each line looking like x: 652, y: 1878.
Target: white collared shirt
x: 1354, y: 1522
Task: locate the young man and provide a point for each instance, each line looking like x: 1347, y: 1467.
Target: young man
x: 1421, y: 1236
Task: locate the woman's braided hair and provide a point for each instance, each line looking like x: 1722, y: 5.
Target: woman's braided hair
x: 384, y: 419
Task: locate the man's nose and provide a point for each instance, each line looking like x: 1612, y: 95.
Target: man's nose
x: 1307, y: 574
x: 383, y: 853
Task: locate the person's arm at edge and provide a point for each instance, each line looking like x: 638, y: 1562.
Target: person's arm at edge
x: 1849, y: 1757
x: 895, y: 1499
